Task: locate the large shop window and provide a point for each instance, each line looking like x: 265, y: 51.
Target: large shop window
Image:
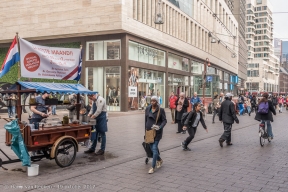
x: 196, y: 67
x: 105, y: 80
x: 212, y: 85
x: 146, y: 54
x: 103, y: 50
x: 178, y: 84
x: 177, y: 62
x: 142, y: 85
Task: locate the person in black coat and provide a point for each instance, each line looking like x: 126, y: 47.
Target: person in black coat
x: 266, y: 118
x: 192, y: 123
x: 182, y: 104
x: 150, y: 121
x: 227, y: 115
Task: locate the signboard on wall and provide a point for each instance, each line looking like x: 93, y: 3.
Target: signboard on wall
x: 132, y: 91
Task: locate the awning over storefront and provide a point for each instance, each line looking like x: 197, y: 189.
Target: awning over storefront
x: 61, y: 88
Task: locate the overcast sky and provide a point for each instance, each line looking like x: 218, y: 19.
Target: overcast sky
x: 280, y: 19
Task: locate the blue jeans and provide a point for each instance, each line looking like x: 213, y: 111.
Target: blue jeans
x: 249, y: 109
x: 11, y: 111
x: 103, y: 142
x: 269, y: 127
x: 154, y: 149
x: 241, y: 108
x: 53, y: 109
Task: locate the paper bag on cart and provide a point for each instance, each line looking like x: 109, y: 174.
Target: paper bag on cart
x: 17, y: 142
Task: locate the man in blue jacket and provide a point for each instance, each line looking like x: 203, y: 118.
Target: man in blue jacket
x: 195, y: 99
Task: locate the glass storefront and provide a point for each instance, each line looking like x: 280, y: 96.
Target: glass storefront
x: 103, y: 50
x: 196, y: 67
x: 145, y: 83
x: 177, y: 62
x: 105, y: 80
x: 178, y: 84
x: 146, y: 54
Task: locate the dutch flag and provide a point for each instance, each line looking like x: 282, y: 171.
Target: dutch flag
x: 11, y: 58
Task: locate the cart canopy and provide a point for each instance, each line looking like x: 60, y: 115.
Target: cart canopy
x: 62, y: 88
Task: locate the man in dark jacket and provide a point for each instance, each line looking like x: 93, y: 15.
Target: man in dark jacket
x: 227, y: 115
x: 151, y: 122
x: 275, y: 101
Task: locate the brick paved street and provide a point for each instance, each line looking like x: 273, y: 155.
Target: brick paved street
x: 245, y: 166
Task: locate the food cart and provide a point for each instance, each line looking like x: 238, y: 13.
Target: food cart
x: 55, y: 142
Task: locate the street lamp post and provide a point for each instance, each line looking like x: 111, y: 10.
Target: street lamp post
x: 207, y: 63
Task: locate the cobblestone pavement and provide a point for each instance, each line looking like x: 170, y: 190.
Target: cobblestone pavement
x: 245, y: 166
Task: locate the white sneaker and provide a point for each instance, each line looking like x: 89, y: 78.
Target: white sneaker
x: 151, y: 170
x: 159, y: 164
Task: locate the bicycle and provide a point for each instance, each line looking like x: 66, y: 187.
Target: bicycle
x: 263, y: 134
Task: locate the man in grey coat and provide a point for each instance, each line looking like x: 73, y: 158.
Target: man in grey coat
x: 227, y: 115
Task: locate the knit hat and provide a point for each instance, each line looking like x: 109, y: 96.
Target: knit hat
x: 155, y: 98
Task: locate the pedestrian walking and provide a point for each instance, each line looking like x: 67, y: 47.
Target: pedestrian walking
x: 172, y: 105
x: 227, y: 115
x: 143, y: 103
x: 241, y: 104
x: 11, y: 100
x: 216, y: 106
x: 151, y: 114
x: 248, y: 106
x: 99, y: 112
x: 191, y: 125
x: 280, y: 103
x: 264, y: 114
x: 181, y: 107
x: 275, y: 101
x: 253, y: 102
x: 195, y: 99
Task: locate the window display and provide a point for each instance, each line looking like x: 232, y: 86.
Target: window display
x: 107, y: 82
x: 178, y: 84
x: 103, y: 50
x: 145, y: 83
x: 196, y: 67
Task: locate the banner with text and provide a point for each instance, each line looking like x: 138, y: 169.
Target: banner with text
x: 48, y: 62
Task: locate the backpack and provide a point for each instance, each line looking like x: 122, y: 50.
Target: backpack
x: 240, y: 100
x: 184, y: 117
x: 263, y: 108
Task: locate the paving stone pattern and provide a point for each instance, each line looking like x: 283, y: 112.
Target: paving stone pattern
x: 245, y: 166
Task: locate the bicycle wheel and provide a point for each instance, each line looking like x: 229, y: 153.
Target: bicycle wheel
x: 261, y: 136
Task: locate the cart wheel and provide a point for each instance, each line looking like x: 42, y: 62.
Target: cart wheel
x: 65, y: 153
x: 146, y: 160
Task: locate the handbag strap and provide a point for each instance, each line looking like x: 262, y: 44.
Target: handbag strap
x: 158, y: 114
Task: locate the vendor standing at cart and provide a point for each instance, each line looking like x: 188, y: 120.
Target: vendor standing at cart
x: 40, y: 111
x: 98, y: 112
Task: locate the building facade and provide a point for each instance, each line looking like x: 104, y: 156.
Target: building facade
x: 284, y: 54
x: 239, y: 12
x: 127, y: 55
x: 263, y: 65
x: 283, y: 81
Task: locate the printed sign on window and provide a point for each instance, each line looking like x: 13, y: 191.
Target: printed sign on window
x: 132, y: 91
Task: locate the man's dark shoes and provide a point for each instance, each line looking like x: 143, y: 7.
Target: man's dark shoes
x: 229, y: 143
x: 100, y: 152
x: 221, y: 142
x: 89, y: 151
x: 213, y: 122
x: 178, y: 132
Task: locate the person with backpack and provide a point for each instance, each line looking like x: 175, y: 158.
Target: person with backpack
x: 227, y: 115
x: 241, y: 104
x: 280, y: 103
x: 155, y: 118
x: 264, y: 114
x: 182, y: 104
x: 191, y: 124
x: 275, y: 101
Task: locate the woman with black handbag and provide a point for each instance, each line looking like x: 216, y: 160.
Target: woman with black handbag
x: 191, y: 124
x: 155, y: 120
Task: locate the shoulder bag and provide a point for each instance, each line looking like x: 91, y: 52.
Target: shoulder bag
x: 150, y: 134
